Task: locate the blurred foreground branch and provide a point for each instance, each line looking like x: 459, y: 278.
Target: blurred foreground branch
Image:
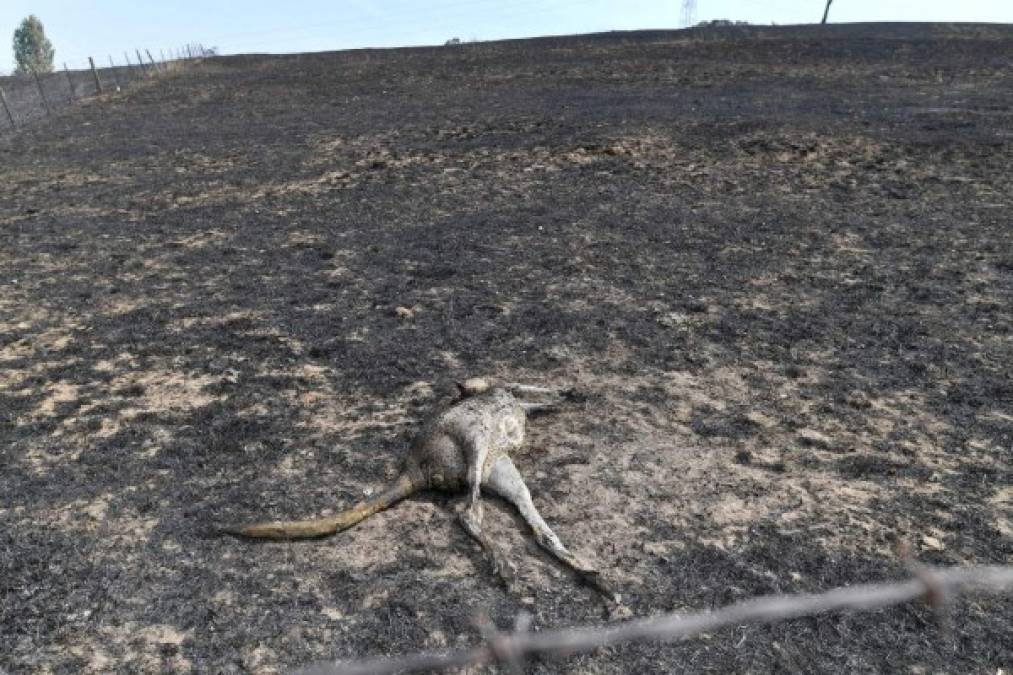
x: 936, y: 586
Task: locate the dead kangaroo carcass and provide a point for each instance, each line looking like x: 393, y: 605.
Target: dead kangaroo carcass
x: 465, y: 448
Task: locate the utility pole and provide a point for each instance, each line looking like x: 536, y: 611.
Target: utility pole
x: 826, y: 11
x: 688, y: 18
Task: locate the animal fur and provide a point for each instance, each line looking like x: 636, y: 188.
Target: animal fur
x: 465, y: 448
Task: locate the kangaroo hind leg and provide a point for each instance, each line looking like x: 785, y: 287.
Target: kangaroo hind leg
x: 470, y: 515
x: 506, y: 481
x: 538, y: 408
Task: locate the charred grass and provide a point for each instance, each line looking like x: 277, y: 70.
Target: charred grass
x: 777, y: 262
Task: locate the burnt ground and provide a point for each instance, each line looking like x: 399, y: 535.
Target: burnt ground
x: 778, y: 263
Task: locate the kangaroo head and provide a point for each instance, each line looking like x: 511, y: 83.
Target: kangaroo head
x: 473, y: 386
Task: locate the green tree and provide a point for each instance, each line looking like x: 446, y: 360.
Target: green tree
x: 32, y: 49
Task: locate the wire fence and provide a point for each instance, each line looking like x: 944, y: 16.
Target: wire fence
x: 29, y: 97
x: 938, y: 587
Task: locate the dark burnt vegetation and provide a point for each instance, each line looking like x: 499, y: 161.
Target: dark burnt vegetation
x: 776, y: 261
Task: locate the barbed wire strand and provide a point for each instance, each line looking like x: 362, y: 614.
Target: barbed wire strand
x: 931, y: 584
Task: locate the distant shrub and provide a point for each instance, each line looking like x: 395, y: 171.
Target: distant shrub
x: 452, y: 41
x: 714, y: 23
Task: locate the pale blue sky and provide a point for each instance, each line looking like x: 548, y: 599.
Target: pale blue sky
x: 82, y: 28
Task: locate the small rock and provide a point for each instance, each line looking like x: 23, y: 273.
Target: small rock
x: 760, y: 420
x: 558, y: 353
x: 672, y: 319
x: 419, y: 390
x: 814, y: 439
x: 858, y: 401
x: 657, y: 549
x: 794, y: 372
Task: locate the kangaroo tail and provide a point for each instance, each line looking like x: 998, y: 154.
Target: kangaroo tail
x: 402, y: 487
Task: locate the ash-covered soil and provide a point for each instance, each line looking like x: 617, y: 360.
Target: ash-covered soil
x: 778, y: 262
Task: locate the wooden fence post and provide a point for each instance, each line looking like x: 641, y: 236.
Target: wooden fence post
x: 7, y: 108
x: 42, y: 94
x: 70, y: 81
x: 112, y: 69
x: 98, y: 82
